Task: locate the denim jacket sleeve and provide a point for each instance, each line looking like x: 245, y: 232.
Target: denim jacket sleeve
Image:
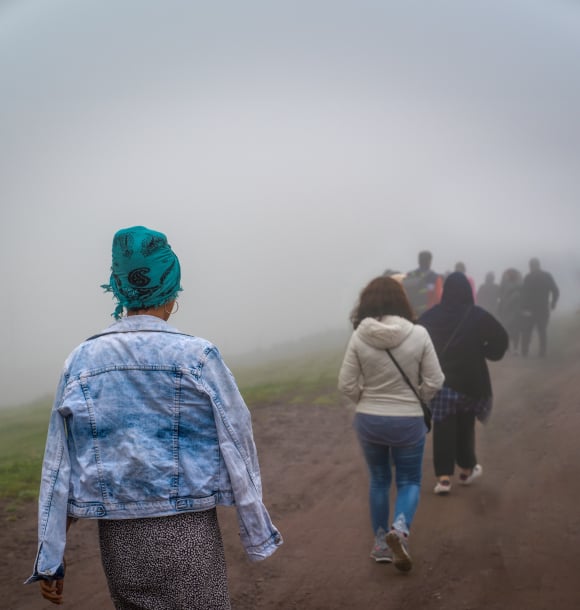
x: 52, y: 505
x: 259, y: 536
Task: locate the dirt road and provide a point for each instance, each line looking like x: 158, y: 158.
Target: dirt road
x: 510, y: 541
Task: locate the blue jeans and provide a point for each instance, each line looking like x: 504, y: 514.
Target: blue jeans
x: 408, y: 463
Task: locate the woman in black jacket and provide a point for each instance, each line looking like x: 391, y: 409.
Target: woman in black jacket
x: 464, y: 336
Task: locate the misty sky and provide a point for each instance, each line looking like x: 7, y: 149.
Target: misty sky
x: 290, y: 150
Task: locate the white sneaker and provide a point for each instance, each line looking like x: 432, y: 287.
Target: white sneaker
x: 467, y: 479
x: 443, y: 487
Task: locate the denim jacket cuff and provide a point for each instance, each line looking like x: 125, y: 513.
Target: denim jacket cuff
x: 263, y: 550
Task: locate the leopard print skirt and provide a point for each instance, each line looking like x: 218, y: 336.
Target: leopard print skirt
x: 165, y: 563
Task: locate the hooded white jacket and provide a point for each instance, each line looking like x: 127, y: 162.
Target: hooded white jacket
x: 370, y: 379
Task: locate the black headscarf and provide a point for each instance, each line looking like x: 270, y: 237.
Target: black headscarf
x: 457, y: 292
x: 442, y: 320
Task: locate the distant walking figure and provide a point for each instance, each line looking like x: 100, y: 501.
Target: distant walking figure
x: 423, y: 286
x: 148, y: 434
x: 389, y: 419
x: 488, y: 294
x: 510, y: 306
x: 539, y: 295
x: 464, y: 336
x: 463, y: 269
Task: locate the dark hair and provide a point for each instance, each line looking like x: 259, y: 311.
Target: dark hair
x: 425, y: 258
x: 511, y: 275
x: 382, y: 296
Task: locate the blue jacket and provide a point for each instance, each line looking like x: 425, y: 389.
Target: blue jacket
x: 147, y: 422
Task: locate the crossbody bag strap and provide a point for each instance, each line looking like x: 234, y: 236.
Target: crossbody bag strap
x: 407, y: 380
x: 424, y: 406
x: 456, y: 330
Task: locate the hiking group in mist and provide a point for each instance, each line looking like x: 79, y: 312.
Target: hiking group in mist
x: 521, y: 303
x: 416, y: 360
x: 149, y: 433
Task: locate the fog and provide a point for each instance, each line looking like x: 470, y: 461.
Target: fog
x: 290, y: 152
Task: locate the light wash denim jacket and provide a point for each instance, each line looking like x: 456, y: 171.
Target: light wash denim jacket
x: 147, y: 424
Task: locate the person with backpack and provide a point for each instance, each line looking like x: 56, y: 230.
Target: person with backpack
x: 422, y: 285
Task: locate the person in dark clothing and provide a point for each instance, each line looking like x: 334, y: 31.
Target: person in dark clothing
x: 464, y: 336
x: 423, y: 286
x: 539, y: 295
x: 459, y: 266
x: 510, y: 306
x: 488, y: 294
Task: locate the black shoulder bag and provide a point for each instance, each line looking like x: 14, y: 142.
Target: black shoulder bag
x: 426, y: 410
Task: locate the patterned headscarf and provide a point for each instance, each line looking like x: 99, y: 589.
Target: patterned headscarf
x: 145, y: 271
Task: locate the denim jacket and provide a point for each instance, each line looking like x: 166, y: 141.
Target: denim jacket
x: 147, y: 422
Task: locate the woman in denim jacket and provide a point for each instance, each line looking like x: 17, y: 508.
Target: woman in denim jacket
x: 148, y: 434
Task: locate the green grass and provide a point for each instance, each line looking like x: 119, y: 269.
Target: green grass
x: 310, y: 378
x: 22, y: 437
x: 305, y: 380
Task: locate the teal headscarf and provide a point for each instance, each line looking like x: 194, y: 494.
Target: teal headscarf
x: 145, y: 271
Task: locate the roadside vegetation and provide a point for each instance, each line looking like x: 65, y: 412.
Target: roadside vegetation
x: 22, y: 437
x: 308, y: 379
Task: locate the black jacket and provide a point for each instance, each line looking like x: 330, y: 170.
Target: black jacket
x: 539, y: 292
x: 464, y: 336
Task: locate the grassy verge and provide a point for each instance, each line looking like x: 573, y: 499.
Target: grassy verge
x: 22, y: 437
x: 307, y: 380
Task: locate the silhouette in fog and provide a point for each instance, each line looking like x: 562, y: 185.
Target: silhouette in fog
x: 539, y: 295
x: 465, y: 336
x: 510, y: 306
x: 461, y: 268
x: 488, y: 294
x: 423, y: 286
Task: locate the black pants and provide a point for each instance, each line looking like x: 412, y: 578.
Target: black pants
x: 539, y: 321
x: 454, y: 443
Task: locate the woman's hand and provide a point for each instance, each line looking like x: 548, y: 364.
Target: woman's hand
x: 52, y: 590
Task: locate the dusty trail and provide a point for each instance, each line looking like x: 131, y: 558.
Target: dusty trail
x: 510, y: 541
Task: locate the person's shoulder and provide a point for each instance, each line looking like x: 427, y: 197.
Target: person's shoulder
x: 428, y: 315
x: 74, y: 355
x: 195, y: 343
x: 419, y: 330
x: 478, y: 310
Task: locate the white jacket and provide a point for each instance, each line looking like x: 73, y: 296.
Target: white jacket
x: 370, y: 379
